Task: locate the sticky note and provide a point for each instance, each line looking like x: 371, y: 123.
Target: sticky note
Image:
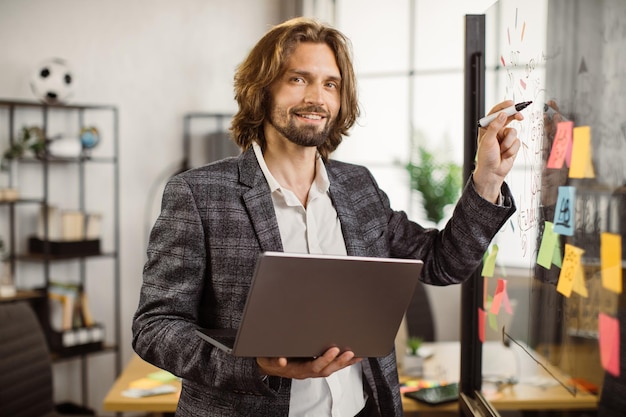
x: 492, y: 320
x: 144, y: 383
x: 162, y: 376
x: 579, y: 286
x: 611, y: 261
x: 557, y: 257
x: 564, y: 213
x: 608, y: 330
x: 581, y: 166
x: 501, y: 297
x: 489, y: 265
x: 482, y: 317
x: 561, y: 146
x: 549, y: 242
x: 571, y: 271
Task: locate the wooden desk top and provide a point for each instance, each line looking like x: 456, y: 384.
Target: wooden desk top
x: 534, y: 391
x: 137, y: 368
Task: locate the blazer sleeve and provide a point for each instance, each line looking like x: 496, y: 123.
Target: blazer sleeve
x: 173, y: 279
x: 451, y: 255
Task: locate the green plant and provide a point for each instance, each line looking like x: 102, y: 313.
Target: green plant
x: 31, y: 139
x: 438, y: 182
x: 414, y: 343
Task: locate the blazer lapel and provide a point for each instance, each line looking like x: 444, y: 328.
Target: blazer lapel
x: 258, y: 202
x: 350, y: 224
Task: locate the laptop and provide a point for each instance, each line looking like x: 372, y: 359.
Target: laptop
x: 300, y: 305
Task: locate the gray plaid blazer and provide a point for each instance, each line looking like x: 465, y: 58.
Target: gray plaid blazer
x: 216, y: 219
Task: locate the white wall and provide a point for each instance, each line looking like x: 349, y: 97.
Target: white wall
x: 155, y: 60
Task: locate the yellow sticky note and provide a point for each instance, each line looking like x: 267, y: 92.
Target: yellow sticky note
x: 571, y: 265
x: 611, y: 261
x: 144, y: 383
x: 579, y: 282
x: 490, y: 262
x: 581, y: 166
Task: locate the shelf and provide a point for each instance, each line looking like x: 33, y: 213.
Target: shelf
x: 76, y: 343
x: 40, y: 257
x: 36, y: 104
x: 24, y: 295
x: 22, y: 201
x: 68, y: 160
x: 56, y: 358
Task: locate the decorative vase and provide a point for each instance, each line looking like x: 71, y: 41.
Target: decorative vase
x: 7, y: 288
x: 413, y: 365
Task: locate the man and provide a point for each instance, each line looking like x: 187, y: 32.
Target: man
x: 297, y: 98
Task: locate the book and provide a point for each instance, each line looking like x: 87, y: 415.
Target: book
x: 72, y: 225
x: 61, y: 309
x: 48, y: 215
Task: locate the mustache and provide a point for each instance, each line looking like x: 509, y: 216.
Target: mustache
x: 311, y: 109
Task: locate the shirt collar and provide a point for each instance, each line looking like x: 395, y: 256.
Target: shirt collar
x: 321, y: 180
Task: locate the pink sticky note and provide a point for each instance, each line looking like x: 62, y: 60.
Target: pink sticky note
x: 608, y: 328
x: 500, y: 298
x: 561, y: 145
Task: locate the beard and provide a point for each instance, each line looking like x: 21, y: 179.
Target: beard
x: 285, y: 123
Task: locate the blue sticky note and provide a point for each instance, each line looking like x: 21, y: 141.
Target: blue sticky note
x: 565, y: 212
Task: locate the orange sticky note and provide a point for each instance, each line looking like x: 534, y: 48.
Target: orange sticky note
x: 611, y: 261
x: 581, y: 166
x: 482, y: 317
x: 561, y: 145
x: 608, y: 329
x: 570, y: 269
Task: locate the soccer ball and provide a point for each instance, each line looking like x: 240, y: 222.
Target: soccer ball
x: 53, y: 81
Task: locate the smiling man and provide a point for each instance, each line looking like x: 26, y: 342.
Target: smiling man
x: 297, y: 99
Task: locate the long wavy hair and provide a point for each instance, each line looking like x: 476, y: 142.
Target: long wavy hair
x: 266, y: 63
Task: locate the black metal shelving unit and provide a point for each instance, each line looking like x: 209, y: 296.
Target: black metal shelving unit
x: 10, y: 210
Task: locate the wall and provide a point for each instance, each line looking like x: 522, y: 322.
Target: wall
x: 155, y: 60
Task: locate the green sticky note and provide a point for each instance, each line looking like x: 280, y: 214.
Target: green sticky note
x: 489, y: 265
x: 557, y: 256
x: 548, y: 243
x: 163, y: 376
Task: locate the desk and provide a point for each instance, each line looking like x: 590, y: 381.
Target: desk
x: 138, y: 368
x: 444, y: 364
x: 499, y: 361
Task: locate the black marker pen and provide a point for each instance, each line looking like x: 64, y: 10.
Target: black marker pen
x: 509, y: 111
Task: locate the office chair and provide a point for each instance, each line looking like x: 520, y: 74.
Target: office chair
x: 25, y: 365
x: 419, y: 317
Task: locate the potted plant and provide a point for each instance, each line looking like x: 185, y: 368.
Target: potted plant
x: 7, y: 288
x: 30, y: 140
x: 438, y: 182
x: 413, y: 362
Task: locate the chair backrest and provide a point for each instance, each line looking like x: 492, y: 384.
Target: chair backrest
x: 419, y: 317
x: 25, y: 366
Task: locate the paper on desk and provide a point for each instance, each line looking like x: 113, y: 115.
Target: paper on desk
x: 149, y: 392
x: 162, y: 376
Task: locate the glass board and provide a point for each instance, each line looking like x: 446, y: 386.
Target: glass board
x: 554, y: 273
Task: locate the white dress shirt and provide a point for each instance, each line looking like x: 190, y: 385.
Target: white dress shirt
x: 315, y: 229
